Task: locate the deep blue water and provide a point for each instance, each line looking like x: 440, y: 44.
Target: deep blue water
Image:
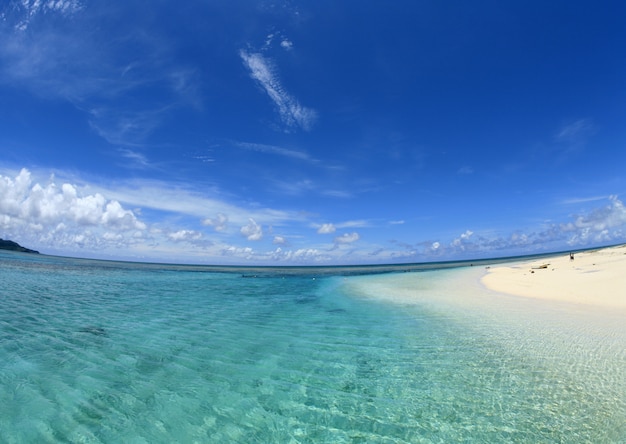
x: 107, y: 352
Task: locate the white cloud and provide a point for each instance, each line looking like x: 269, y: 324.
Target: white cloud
x: 177, y: 198
x: 271, y: 149
x: 73, y: 61
x: 28, y: 9
x: 461, y: 240
x: 353, y: 224
x: 347, y: 238
x: 301, y: 255
x: 219, y: 222
x: 326, y: 229
x: 28, y: 202
x: 124, y: 127
x: 291, y: 112
x: 600, y: 225
x: 135, y: 157
x: 240, y: 252
x: 279, y: 240
x: 185, y: 235
x: 252, y: 231
x: 285, y: 43
x: 331, y: 228
x: 578, y: 200
x: 65, y: 217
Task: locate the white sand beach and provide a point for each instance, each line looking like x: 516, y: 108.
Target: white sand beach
x: 595, y: 277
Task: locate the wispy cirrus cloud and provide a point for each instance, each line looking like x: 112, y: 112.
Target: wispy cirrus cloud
x: 27, y: 10
x: 71, y: 60
x: 573, y: 136
x: 575, y: 132
x: 291, y: 112
x: 277, y: 150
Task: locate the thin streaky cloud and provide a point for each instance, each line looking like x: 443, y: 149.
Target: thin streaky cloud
x: 291, y: 112
x: 178, y: 198
x: 137, y: 159
x: 353, y: 224
x: 68, y: 62
x: 338, y: 193
x: 575, y: 132
x: 271, y: 149
x: 579, y: 200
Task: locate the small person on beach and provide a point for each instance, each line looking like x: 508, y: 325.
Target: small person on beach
x: 571, y: 256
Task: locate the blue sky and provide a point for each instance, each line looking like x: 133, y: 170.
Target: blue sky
x: 292, y: 133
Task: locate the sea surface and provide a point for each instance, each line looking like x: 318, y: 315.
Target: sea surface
x: 111, y: 352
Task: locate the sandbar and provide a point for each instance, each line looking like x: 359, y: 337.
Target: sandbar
x: 593, y: 277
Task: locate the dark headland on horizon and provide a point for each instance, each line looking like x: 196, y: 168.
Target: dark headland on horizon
x: 14, y: 246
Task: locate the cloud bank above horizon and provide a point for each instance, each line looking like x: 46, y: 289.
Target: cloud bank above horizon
x: 67, y: 218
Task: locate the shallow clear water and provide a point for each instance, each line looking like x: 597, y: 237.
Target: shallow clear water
x: 110, y: 352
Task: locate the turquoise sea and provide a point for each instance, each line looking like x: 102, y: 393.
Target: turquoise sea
x: 110, y: 352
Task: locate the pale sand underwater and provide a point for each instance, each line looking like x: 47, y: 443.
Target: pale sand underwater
x: 568, y: 318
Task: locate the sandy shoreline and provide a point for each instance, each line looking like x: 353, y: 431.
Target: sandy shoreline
x: 595, y: 277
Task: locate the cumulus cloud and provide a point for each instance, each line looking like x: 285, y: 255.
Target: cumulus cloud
x: 347, y: 238
x: 301, y: 255
x: 238, y: 252
x: 219, y: 222
x: 461, y: 241
x: 65, y: 217
x: 609, y: 216
x: 603, y: 224
x: 23, y: 201
x: 291, y: 112
x: 252, y: 231
x: 279, y: 240
x: 326, y: 229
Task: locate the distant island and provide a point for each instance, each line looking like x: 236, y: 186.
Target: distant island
x: 14, y: 246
